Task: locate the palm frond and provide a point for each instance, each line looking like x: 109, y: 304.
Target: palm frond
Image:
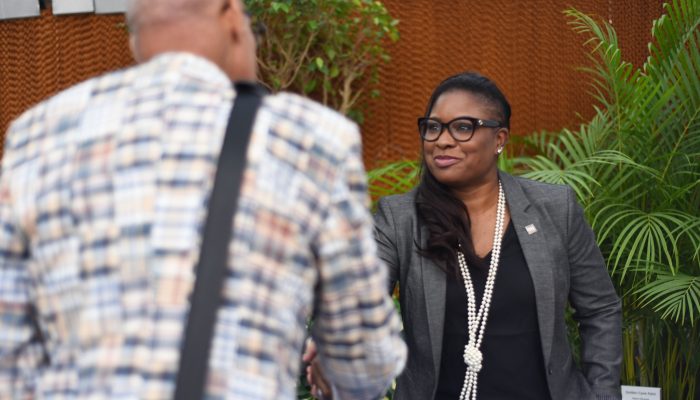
x: 675, y: 62
x: 691, y: 232
x: 641, y: 238
x: 675, y: 50
x: 676, y: 297
x: 580, y: 181
x: 645, y: 157
x: 393, y: 178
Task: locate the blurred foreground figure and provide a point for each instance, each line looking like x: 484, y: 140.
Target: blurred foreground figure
x: 103, y: 194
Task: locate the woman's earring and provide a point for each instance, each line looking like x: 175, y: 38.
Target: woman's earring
x: 500, y: 150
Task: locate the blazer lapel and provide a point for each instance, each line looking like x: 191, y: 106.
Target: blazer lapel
x: 434, y: 287
x: 533, y: 241
x: 538, y: 260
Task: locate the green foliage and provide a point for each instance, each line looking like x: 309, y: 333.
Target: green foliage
x: 636, y: 169
x: 328, y: 49
x: 672, y: 295
x: 392, y: 178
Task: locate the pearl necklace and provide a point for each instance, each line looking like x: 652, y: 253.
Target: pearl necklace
x: 476, y: 322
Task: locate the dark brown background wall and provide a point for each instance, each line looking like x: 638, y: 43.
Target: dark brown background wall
x: 40, y: 56
x: 525, y: 46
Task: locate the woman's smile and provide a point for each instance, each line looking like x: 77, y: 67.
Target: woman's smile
x: 443, y: 161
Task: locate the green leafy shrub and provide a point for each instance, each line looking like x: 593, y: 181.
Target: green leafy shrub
x: 328, y: 49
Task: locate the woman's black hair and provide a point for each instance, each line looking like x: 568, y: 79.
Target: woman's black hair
x: 443, y: 214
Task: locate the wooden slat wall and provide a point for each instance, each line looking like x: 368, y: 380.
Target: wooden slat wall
x: 41, y: 56
x: 525, y: 46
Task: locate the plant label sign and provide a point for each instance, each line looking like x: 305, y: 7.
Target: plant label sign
x: 60, y: 7
x: 19, y: 8
x: 110, y: 6
x: 640, y: 393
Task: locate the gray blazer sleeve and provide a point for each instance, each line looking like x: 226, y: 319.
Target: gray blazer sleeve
x: 597, y: 306
x: 385, y: 233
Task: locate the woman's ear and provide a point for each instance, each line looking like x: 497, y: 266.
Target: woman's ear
x: 501, y: 139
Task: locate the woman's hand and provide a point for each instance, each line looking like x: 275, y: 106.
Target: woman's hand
x: 320, y: 388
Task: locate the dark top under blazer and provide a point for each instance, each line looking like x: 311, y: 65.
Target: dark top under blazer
x: 566, y: 266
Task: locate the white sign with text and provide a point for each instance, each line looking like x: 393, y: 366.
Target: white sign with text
x: 110, y: 6
x: 640, y: 393
x: 19, y: 8
x: 72, y: 6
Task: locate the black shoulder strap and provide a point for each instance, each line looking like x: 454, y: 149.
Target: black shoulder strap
x: 213, y: 259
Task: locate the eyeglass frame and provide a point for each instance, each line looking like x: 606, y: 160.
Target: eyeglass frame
x: 477, y: 122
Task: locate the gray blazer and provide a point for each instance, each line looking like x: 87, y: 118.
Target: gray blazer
x: 566, y: 267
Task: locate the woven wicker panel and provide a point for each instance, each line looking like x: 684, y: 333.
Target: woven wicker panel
x: 526, y: 47
x: 41, y: 56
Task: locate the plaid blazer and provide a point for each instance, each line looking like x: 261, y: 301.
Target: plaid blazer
x: 103, y: 195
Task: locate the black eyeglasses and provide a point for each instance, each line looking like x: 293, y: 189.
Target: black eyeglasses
x: 461, y: 128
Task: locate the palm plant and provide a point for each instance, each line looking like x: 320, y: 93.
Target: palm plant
x: 636, y: 169
x: 392, y: 178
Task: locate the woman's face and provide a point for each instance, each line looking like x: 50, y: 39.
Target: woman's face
x: 463, y: 164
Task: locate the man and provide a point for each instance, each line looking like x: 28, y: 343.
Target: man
x: 102, y: 201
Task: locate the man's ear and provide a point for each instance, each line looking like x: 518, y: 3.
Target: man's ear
x: 234, y: 18
x: 134, y: 49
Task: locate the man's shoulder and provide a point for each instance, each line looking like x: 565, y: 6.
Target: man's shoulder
x: 50, y: 123
x: 73, y: 100
x: 308, y: 113
x: 298, y: 128
x: 51, y: 116
x: 104, y: 89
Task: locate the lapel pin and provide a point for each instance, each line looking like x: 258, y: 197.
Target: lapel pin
x: 530, y: 229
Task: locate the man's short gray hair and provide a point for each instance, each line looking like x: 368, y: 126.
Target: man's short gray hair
x: 141, y: 12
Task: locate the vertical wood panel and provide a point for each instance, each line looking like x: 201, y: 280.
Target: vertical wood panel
x: 526, y: 47
x: 41, y: 56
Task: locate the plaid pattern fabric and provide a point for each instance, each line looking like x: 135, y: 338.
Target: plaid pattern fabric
x: 103, y: 191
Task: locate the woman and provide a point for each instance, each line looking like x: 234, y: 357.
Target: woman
x: 522, y: 247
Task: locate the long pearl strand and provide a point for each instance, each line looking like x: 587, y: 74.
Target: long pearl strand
x: 476, y: 322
